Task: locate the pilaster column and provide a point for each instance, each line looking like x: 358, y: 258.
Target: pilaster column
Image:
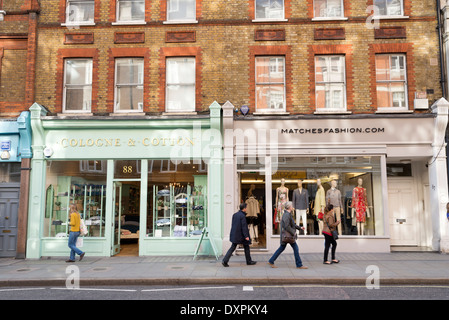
x: 438, y: 178
x: 229, y: 170
x: 37, y: 178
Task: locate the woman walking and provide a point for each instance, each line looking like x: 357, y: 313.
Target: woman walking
x: 329, y: 225
x: 288, y: 224
x: 75, y: 222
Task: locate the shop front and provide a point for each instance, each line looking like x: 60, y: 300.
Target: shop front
x: 384, y: 175
x: 15, y: 154
x: 143, y: 185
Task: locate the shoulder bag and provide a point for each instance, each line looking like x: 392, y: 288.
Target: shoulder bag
x: 287, y: 237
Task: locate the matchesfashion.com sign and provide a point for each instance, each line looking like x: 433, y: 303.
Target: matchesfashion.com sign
x: 331, y: 130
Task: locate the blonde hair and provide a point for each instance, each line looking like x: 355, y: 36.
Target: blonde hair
x: 73, y: 208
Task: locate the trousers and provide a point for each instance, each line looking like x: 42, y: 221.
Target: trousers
x: 282, y: 248
x: 328, y: 241
x: 232, y: 249
x: 73, y: 236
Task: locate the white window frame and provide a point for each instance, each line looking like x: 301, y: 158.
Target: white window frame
x: 257, y: 19
x: 167, y: 84
x: 173, y: 6
x: 117, y: 14
x: 262, y: 84
x: 65, y: 86
x: 388, y: 16
x: 81, y: 22
x: 326, y: 17
x: 342, y: 65
x: 392, y: 108
x: 116, y: 87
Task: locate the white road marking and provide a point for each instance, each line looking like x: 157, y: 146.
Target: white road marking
x: 95, y: 289
x: 248, y: 288
x: 187, y: 289
x: 21, y: 289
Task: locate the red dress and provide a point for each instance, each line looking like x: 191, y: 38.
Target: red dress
x: 359, y: 203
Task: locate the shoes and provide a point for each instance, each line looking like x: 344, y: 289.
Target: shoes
x: 225, y: 264
x: 335, y: 261
x: 302, y: 267
x: 327, y: 262
x: 251, y: 263
x: 70, y: 260
x: 82, y: 256
x: 271, y: 265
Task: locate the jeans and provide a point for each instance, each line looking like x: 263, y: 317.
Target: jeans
x: 232, y: 249
x: 282, y: 248
x: 328, y: 240
x: 73, y: 236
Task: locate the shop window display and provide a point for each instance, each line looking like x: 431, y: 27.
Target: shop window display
x: 82, y: 183
x: 351, y: 184
x: 177, y: 196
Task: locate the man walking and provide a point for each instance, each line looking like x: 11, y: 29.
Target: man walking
x: 239, y: 235
x: 288, y: 224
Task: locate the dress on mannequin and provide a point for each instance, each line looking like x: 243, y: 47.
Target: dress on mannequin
x: 281, y: 200
x: 360, y: 206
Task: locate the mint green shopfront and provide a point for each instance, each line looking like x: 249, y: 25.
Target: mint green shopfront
x: 150, y: 184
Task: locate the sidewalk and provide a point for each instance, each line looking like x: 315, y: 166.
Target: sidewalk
x: 394, y: 268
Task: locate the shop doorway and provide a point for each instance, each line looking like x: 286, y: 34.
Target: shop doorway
x: 252, y: 191
x: 126, y: 222
x: 9, y: 205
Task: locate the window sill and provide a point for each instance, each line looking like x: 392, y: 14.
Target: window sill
x: 329, y: 19
x: 332, y: 112
x: 389, y: 17
x: 393, y: 110
x: 127, y: 113
x: 179, y: 113
x: 78, y: 24
x: 269, y: 20
x: 128, y: 23
x: 181, y: 22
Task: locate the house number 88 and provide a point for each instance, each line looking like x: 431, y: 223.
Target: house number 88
x: 127, y: 169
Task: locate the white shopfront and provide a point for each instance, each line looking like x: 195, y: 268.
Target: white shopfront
x: 396, y: 163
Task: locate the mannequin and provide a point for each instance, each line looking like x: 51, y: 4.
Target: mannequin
x: 359, y: 206
x: 333, y: 196
x: 320, y: 203
x: 281, y: 199
x: 301, y: 204
x: 252, y: 214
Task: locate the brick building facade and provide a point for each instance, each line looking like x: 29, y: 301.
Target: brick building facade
x: 226, y: 37
x: 368, y: 65
x: 18, y: 30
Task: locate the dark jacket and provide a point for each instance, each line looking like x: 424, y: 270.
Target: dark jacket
x: 288, y: 224
x: 239, y: 229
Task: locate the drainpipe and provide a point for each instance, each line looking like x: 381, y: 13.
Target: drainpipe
x: 440, y: 37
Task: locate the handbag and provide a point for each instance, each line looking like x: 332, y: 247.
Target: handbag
x: 83, y: 228
x: 334, y: 233
x: 287, y: 237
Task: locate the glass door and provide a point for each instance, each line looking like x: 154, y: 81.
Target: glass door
x: 116, y: 222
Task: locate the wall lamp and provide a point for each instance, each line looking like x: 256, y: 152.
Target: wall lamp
x: 2, y: 15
